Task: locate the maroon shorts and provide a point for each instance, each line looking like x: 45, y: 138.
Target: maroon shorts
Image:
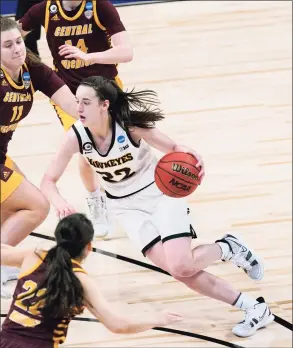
x: 11, y: 341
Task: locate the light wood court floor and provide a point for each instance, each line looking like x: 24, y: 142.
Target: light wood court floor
x: 222, y: 70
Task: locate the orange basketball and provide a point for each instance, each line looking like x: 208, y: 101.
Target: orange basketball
x: 176, y: 174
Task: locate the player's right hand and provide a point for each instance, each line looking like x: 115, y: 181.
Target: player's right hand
x: 64, y: 209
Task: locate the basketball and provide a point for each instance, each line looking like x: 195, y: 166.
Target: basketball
x: 176, y: 174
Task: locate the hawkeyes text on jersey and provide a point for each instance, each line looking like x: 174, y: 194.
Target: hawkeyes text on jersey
x: 126, y: 168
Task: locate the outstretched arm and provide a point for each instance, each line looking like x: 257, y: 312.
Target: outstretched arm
x: 11, y: 256
x: 113, y: 319
x: 48, y: 82
x: 66, y: 100
x: 55, y: 171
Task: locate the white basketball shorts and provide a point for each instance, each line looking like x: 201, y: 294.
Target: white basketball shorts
x: 149, y: 216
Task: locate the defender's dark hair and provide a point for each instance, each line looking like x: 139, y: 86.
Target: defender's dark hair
x: 129, y: 109
x: 64, y: 294
x: 6, y: 24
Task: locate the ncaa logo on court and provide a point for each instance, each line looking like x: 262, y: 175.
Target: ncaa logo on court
x: 53, y: 9
x: 121, y: 139
x: 87, y: 147
x: 89, y: 10
x: 26, y: 80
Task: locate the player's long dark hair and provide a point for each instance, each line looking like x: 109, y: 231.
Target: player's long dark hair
x: 6, y: 24
x: 129, y: 109
x: 64, y: 296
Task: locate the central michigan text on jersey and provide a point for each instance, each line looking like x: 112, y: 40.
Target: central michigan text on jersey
x: 89, y: 27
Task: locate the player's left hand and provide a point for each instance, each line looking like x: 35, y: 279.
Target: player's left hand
x: 199, y: 159
x: 68, y: 51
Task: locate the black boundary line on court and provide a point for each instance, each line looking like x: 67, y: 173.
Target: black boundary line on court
x: 173, y: 331
x: 278, y: 320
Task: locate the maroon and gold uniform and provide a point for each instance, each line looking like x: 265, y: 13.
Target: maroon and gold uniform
x: 88, y: 27
x: 16, y: 100
x: 24, y: 326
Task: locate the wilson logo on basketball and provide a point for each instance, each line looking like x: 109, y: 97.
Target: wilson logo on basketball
x: 185, y: 171
x: 179, y: 185
x: 176, y: 174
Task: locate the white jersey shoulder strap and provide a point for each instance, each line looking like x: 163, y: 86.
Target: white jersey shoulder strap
x: 83, y: 136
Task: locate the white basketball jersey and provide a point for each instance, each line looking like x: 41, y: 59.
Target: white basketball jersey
x: 126, y: 168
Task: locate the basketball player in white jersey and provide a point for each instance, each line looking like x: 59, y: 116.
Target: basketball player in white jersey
x: 116, y: 141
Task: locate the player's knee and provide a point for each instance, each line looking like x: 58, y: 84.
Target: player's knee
x: 181, y: 269
x: 41, y: 208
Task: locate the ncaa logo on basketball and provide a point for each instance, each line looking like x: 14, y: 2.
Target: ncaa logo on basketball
x: 121, y: 139
x: 87, y: 147
x: 53, y: 9
x: 26, y: 80
x: 179, y: 185
x: 89, y: 10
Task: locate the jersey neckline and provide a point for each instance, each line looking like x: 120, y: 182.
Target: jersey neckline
x: 74, y: 17
x: 112, y: 140
x: 11, y: 81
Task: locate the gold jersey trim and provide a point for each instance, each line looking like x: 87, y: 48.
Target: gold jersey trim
x: 47, y: 15
x: 10, y: 80
x: 99, y: 24
x: 32, y: 86
x: 81, y: 10
x: 31, y: 270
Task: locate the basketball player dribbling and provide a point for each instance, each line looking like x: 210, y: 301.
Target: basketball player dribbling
x: 23, y: 207
x: 85, y: 38
x: 53, y: 287
x: 118, y: 129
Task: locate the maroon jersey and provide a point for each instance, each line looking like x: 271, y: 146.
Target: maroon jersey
x: 16, y: 99
x: 25, y: 321
x: 88, y: 27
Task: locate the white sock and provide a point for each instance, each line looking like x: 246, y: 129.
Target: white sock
x: 226, y: 251
x: 244, y: 302
x: 4, y: 277
x: 95, y: 194
x: 9, y: 273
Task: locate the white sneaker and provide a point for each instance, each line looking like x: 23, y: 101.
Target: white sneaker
x: 7, y: 273
x: 255, y: 318
x: 98, y: 215
x: 242, y: 256
x: 5, y: 293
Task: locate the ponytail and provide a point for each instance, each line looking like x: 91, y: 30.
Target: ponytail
x: 129, y: 109
x: 64, y: 293
x: 136, y: 109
